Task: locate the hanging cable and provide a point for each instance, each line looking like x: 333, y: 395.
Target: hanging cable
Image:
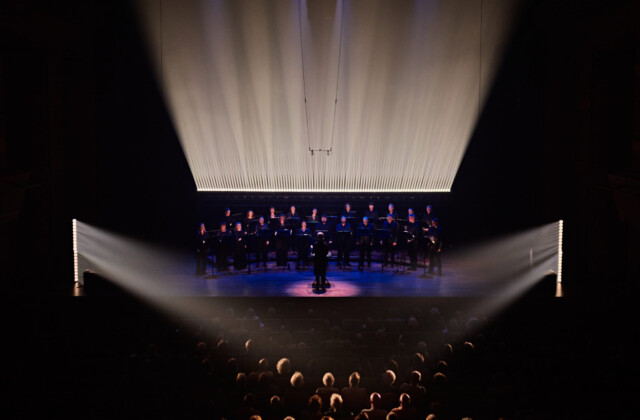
x: 335, y: 105
x: 304, y: 84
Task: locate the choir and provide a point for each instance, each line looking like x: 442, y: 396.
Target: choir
x: 249, y: 238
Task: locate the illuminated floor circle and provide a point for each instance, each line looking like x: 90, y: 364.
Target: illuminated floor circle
x: 338, y: 288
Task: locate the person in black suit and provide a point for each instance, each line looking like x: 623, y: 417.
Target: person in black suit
x: 315, y: 217
x: 325, y: 227
x: 364, y: 240
x: 347, y: 212
x: 427, y: 218
x: 343, y: 237
x: 303, y: 239
x: 263, y: 242
x: 249, y: 221
x: 372, y: 214
x: 240, y: 247
x: 392, y: 211
x: 389, y: 244
x: 272, y: 219
x: 320, y: 261
x: 227, y: 218
x: 434, y: 235
x: 292, y: 213
x: 202, y: 250
x: 413, y: 233
x: 282, y: 235
x: 222, y: 248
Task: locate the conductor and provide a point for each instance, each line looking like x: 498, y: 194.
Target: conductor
x: 320, y: 250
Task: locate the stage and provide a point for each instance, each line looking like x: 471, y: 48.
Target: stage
x: 348, y: 282
x: 461, y: 277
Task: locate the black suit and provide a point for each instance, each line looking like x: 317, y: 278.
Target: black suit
x: 223, y: 249
x: 343, y: 237
x: 320, y: 261
x: 239, y: 250
x: 412, y: 243
x: 202, y: 249
x: 388, y: 249
x: 365, y: 241
x: 436, y: 244
x: 261, y: 254
x: 303, y: 238
x: 283, y: 235
x: 326, y: 228
x: 372, y: 215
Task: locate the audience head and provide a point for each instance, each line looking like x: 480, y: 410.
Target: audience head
x: 249, y: 400
x: 371, y: 205
x: 249, y: 345
x: 336, y: 402
x: 388, y: 377
x: 354, y: 380
x: 315, y: 403
x: 405, y: 400
x: 283, y: 366
x: 362, y: 416
x: 440, y: 379
x: 263, y: 365
x: 297, y: 380
x: 241, y: 380
x: 375, y: 399
x: 328, y: 379
x: 415, y: 377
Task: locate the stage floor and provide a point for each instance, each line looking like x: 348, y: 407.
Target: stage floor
x: 457, y: 280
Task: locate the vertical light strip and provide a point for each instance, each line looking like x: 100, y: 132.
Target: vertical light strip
x: 74, y: 231
x: 560, y: 238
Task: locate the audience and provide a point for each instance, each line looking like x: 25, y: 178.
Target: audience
x: 315, y: 365
x: 375, y: 411
x: 325, y: 392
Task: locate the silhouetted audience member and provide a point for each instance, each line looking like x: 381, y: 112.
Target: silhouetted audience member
x: 416, y: 391
x: 336, y: 408
x: 375, y: 411
x: 275, y: 411
x: 283, y: 377
x: 247, y: 410
x: 295, y: 400
x: 387, y: 389
x: 327, y: 390
x: 405, y: 411
x: 314, y: 409
x: 355, y: 398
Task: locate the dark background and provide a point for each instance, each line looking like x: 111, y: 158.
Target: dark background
x: 84, y: 133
